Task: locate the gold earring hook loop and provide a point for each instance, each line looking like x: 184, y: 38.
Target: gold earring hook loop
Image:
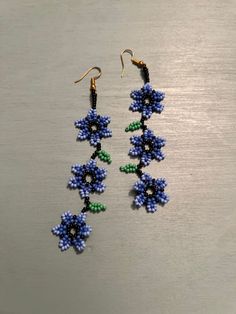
x: 122, y: 60
x: 93, y: 79
x: 138, y: 63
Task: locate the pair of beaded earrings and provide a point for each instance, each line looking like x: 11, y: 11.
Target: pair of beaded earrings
x: 88, y: 178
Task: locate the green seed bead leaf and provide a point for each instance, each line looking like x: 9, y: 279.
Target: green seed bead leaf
x: 104, y: 156
x: 129, y: 168
x: 97, y: 207
x: 133, y: 126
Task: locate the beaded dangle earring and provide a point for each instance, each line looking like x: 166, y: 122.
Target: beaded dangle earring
x: 87, y: 178
x: 146, y: 147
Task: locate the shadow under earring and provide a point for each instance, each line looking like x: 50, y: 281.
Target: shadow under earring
x: 146, y: 147
x: 87, y: 178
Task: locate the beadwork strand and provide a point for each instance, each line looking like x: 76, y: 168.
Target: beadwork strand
x: 149, y: 191
x: 88, y: 178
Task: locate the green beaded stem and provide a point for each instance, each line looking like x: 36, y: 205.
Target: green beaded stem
x: 104, y: 156
x: 97, y: 207
x: 129, y: 168
x: 133, y: 126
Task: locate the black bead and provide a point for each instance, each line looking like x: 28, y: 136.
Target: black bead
x: 86, y: 200
x: 99, y: 146
x: 93, y: 98
x: 94, y: 155
x: 139, y: 172
x: 139, y: 166
x: 145, y: 73
x: 84, y: 210
x: 144, y: 127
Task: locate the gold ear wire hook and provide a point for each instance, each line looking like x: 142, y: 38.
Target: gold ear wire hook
x: 93, y: 79
x: 138, y: 63
x: 122, y: 61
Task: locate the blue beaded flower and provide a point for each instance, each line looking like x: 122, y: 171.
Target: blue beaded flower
x: 150, y: 192
x: 147, y: 100
x: 93, y: 127
x: 147, y: 147
x: 87, y: 178
x: 72, y: 231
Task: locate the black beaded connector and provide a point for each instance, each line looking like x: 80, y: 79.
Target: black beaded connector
x: 93, y: 98
x: 95, y: 153
x: 145, y: 74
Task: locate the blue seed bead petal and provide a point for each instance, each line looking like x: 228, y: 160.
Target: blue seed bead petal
x: 151, y: 206
x: 57, y: 230
x: 85, y: 230
x: 84, y: 192
x: 159, y: 142
x: 66, y: 216
x: 94, y: 139
x: 108, y: 133
x: 81, y: 218
x: 99, y: 187
x: 91, y: 165
x: 72, y: 184
x: 105, y: 132
x: 158, y: 155
x: 101, y: 173
x: 139, y: 186
x: 161, y: 183
x: 80, y: 245
x: 135, y: 151
x: 136, y: 94
x: 83, y: 135
x: 64, y: 243
x: 92, y: 115
x: 81, y: 124
x: 146, y: 178
x: 147, y: 112
x: 157, y: 107
x: 104, y: 120
x: 136, y: 140
x: 147, y: 89
x: 77, y: 169
x: 135, y: 106
x: 146, y: 158
x: 139, y: 200
x: 158, y: 96
x: 148, y: 135
x: 162, y: 198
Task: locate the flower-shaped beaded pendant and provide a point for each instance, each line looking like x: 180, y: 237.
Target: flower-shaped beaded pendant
x: 72, y: 231
x: 146, y: 147
x: 147, y: 101
x: 93, y: 127
x: 87, y: 178
x: 150, y: 192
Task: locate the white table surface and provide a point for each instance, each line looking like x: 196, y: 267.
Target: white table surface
x: 180, y: 260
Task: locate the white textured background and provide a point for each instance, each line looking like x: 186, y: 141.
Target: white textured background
x: 180, y: 260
